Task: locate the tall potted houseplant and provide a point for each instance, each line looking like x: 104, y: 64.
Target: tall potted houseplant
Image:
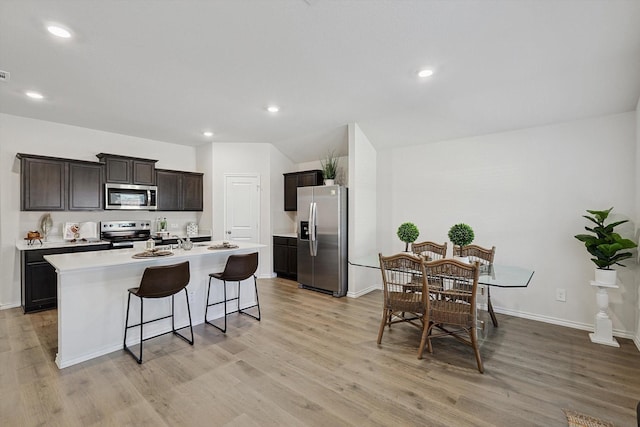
x: 605, y: 245
x: 461, y: 235
x: 329, y: 168
x: 408, y: 233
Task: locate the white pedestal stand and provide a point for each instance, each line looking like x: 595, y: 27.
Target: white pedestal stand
x: 603, y: 330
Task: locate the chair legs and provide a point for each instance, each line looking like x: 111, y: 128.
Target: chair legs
x: 472, y: 342
x: 225, y: 300
x: 425, y: 340
x: 173, y: 330
x: 386, y: 319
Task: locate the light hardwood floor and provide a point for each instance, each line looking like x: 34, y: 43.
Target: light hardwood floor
x: 313, y: 361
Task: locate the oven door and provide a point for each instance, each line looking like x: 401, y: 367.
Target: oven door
x: 130, y: 197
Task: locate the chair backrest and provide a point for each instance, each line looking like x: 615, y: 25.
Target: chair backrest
x: 405, y: 282
x: 431, y: 250
x: 477, y: 253
x: 240, y: 267
x: 453, y: 285
x: 165, y: 280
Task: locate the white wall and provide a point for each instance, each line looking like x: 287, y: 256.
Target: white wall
x: 524, y: 192
x: 204, y: 162
x: 281, y: 221
x: 24, y: 135
x: 362, y: 211
x: 251, y: 158
x: 637, y: 194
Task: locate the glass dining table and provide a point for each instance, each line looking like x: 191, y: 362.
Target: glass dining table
x: 490, y: 275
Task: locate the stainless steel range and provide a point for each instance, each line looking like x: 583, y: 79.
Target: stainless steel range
x: 122, y: 234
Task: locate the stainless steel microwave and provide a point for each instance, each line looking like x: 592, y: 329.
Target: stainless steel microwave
x: 130, y: 197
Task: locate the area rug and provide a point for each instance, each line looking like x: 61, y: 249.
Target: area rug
x: 576, y: 419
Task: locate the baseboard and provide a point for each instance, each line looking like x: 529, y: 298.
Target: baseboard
x: 10, y: 305
x: 361, y: 292
x: 563, y: 322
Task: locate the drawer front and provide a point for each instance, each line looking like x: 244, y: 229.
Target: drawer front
x: 285, y: 241
x: 277, y: 240
x: 37, y: 255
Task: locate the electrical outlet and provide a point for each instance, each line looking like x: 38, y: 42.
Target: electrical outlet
x: 174, y: 225
x: 561, y: 294
x: 191, y: 297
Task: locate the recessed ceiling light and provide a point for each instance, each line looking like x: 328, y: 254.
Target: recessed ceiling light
x: 207, y: 133
x: 59, y: 31
x: 273, y: 108
x: 34, y: 95
x: 425, y: 73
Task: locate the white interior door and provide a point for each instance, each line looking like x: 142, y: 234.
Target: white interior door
x: 242, y: 208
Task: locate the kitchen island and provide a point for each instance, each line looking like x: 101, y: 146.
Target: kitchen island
x: 92, y: 296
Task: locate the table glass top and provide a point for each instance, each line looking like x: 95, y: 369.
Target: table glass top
x: 503, y: 276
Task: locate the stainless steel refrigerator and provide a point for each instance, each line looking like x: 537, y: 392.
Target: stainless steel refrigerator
x: 322, y: 239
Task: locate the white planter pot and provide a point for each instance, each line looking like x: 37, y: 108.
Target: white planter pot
x: 606, y: 277
x: 464, y: 259
x: 329, y: 182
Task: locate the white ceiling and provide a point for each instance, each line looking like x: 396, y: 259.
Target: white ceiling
x: 167, y: 70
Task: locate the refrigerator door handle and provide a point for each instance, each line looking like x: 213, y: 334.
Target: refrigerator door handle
x: 313, y: 244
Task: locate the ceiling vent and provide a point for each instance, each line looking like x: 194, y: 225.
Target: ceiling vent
x: 4, y: 76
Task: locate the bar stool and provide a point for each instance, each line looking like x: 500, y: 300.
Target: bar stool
x: 237, y: 269
x: 159, y: 282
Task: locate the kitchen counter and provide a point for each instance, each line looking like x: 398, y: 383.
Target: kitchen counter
x: 286, y: 234
x: 92, y: 296
x: 22, y: 245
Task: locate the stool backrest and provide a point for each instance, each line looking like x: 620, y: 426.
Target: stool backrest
x: 240, y: 267
x: 162, y: 281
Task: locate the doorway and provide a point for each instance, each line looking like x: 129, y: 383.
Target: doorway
x: 242, y: 207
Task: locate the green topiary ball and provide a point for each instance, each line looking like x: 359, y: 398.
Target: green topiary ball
x: 461, y: 234
x: 408, y: 233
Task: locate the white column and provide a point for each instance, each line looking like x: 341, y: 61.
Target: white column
x: 603, y: 333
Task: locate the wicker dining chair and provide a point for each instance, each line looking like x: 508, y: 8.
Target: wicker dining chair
x: 476, y: 253
x: 400, y: 272
x: 485, y: 257
x: 430, y: 250
x: 452, y: 307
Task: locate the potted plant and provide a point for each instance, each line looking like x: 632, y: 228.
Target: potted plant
x: 408, y: 233
x: 329, y: 168
x: 461, y: 235
x: 605, y: 245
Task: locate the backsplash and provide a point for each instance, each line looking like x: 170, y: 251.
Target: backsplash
x: 177, y: 221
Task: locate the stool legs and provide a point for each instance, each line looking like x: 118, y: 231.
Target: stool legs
x: 224, y: 284
x: 225, y: 300
x: 257, y: 304
x: 142, y: 323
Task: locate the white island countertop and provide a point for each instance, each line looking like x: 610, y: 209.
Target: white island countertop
x: 93, y: 296
x: 110, y: 258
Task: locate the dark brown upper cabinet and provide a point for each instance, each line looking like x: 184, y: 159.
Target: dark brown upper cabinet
x: 55, y: 184
x: 43, y: 183
x: 294, y: 180
x: 86, y: 186
x: 179, y: 191
x: 128, y: 170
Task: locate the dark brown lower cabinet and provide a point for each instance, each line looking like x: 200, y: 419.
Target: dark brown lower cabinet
x: 39, y: 279
x: 285, y: 256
